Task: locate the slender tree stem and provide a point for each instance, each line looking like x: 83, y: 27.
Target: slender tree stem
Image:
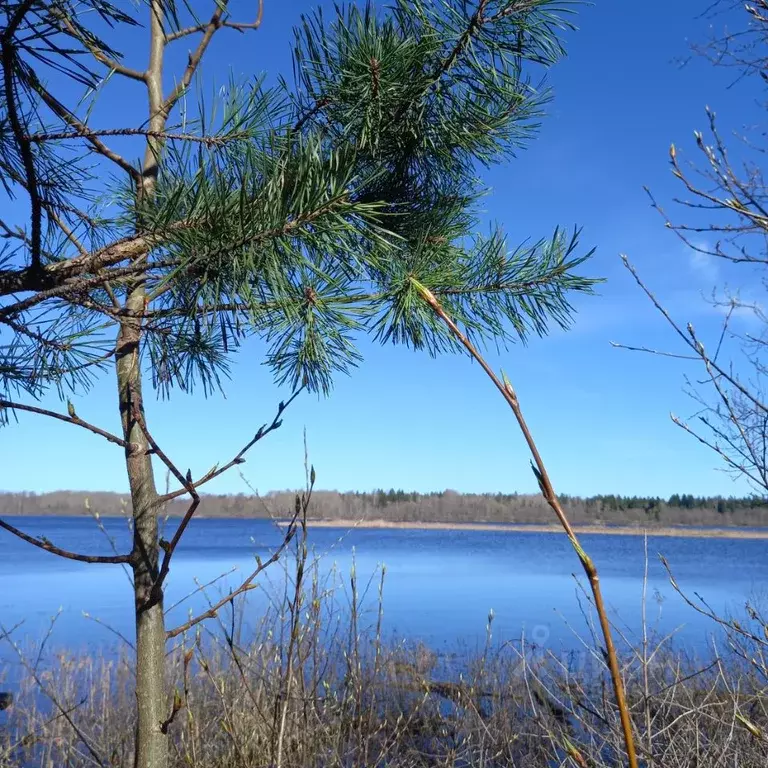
x: 547, y: 489
x: 151, y: 750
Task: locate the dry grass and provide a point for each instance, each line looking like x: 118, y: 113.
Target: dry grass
x: 315, y: 685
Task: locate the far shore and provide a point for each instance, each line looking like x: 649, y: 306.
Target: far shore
x: 602, y: 530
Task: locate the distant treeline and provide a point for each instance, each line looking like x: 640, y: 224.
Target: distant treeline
x: 403, y: 506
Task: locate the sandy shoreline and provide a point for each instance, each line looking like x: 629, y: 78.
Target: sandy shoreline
x: 603, y: 530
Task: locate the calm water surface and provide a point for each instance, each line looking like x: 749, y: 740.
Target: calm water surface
x: 439, y: 585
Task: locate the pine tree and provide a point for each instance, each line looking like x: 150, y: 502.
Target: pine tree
x: 304, y: 214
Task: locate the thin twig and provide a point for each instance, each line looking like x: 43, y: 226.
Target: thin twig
x: 72, y: 418
x: 617, y: 345
x: 41, y: 138
x: 195, y: 57
x: 240, y: 26
x: 547, y: 489
x: 43, y: 543
x: 110, y: 628
x: 200, y: 588
x: 691, y: 340
x: 56, y: 106
x: 708, y: 612
x: 246, y: 585
x: 261, y: 433
x: 65, y: 712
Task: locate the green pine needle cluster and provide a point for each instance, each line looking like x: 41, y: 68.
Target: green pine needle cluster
x: 302, y: 214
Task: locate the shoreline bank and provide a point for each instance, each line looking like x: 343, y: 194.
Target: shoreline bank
x: 601, y: 530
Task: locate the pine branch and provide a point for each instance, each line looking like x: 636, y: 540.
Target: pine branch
x: 112, y: 64
x: 59, y: 109
x: 10, y: 67
x: 476, y: 22
x: 209, y: 141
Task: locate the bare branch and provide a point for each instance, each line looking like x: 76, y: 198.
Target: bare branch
x: 188, y: 485
x: 299, y: 519
x: 246, y: 585
x: 244, y: 26
x: 44, y: 544
x: 100, y: 56
x: 195, y: 58
x: 240, y: 26
x: 200, y: 588
x: 708, y: 612
x: 691, y: 341
x: 211, y: 141
x: 72, y: 418
x: 650, y: 351
x: 262, y: 432
x: 56, y: 106
x: 110, y: 628
x: 716, y: 448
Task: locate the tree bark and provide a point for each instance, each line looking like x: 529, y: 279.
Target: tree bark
x: 151, y: 749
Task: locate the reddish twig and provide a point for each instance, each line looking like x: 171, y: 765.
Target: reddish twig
x: 547, y: 489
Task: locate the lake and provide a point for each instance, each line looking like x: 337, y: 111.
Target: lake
x: 439, y: 587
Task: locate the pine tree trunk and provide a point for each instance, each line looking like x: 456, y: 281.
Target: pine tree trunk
x: 151, y: 743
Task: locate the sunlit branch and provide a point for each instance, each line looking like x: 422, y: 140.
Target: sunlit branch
x: 71, y: 418
x: 240, y: 26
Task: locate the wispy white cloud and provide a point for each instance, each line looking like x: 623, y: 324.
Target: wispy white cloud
x: 702, y: 263
x: 746, y: 310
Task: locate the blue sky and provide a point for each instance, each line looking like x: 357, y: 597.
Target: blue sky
x: 404, y: 420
